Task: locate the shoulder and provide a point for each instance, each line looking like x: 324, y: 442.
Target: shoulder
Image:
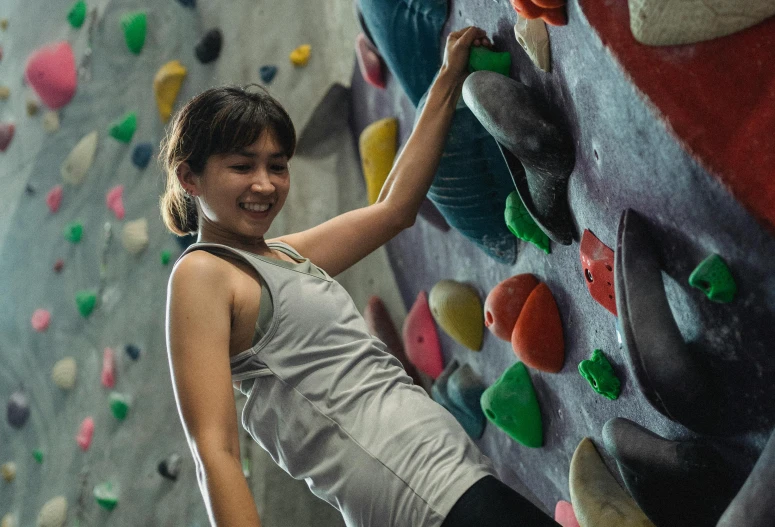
x: 202, y: 275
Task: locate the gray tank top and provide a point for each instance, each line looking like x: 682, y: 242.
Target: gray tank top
x: 331, y: 406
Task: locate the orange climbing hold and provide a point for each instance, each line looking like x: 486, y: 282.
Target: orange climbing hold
x: 550, y: 11
x: 504, y: 304
x: 537, y: 339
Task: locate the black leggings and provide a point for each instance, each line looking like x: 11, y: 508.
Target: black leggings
x: 491, y: 503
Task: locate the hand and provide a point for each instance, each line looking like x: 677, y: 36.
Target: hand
x: 458, y: 48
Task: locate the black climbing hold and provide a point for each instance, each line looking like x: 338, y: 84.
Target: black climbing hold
x: 133, y: 351
x: 267, y: 73
x: 209, y: 48
x: 188, y: 3
x: 170, y: 467
x: 30, y: 190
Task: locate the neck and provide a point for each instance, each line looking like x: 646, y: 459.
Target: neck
x: 209, y: 233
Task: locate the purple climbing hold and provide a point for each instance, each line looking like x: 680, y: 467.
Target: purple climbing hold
x: 267, y: 73
x: 209, y: 48
x: 141, y: 155
x: 18, y: 409
x: 133, y: 351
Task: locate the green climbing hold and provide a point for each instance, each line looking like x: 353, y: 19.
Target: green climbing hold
x: 600, y: 375
x: 86, y: 301
x: 73, y: 232
x: 38, y: 455
x: 714, y: 279
x: 522, y: 225
x: 511, y: 404
x: 134, y: 26
x: 77, y: 14
x: 105, y: 496
x: 482, y: 58
x: 119, y: 405
x: 165, y: 257
x: 124, y: 128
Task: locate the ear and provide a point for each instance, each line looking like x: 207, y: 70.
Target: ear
x: 188, y: 180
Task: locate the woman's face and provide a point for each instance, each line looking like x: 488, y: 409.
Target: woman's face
x: 234, y: 189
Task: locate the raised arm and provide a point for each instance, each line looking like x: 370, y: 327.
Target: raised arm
x: 199, y: 305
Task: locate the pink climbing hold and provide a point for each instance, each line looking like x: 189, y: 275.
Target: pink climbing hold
x: 40, y: 320
x: 421, y: 341
x: 564, y: 515
x: 85, y: 434
x: 6, y: 135
x: 108, y: 368
x: 54, y: 198
x: 51, y: 73
x: 115, y: 201
x: 369, y: 62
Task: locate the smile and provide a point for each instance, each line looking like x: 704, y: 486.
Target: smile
x: 255, y: 207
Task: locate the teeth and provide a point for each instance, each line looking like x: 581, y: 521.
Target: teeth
x: 255, y: 207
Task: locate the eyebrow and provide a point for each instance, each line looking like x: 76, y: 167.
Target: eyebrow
x: 252, y: 155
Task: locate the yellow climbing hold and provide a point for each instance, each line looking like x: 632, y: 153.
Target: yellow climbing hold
x: 457, y: 308
x: 166, y: 86
x: 300, y: 55
x: 9, y: 471
x: 378, y: 145
x: 5, y: 92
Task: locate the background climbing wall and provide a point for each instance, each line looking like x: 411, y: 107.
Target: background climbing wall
x: 326, y: 181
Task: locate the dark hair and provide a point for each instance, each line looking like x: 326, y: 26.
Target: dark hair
x: 220, y: 120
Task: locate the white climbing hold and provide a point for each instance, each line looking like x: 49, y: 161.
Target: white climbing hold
x: 9, y: 520
x: 79, y: 160
x: 534, y: 39
x: 134, y: 237
x: 63, y: 373
x: 53, y: 513
x: 9, y: 471
x: 51, y: 121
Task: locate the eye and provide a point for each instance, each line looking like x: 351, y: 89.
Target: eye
x: 279, y: 168
x: 241, y: 168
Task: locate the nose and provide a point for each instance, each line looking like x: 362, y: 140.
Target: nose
x: 262, y: 183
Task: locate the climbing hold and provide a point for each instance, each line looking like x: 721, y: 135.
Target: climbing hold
x: 6, y: 135
x: 9, y: 520
x: 73, y: 232
x: 597, y: 261
x: 188, y: 3
x: 421, y: 341
x: 662, y: 476
x: 166, y: 256
x: 537, y: 338
x: 50, y: 71
x: 170, y: 467
x: 511, y: 404
x: 564, y: 515
x: 714, y: 279
x: 79, y: 160
x: 38, y: 455
x: 134, y: 236
x: 267, y: 73
x: 134, y: 25
x: 752, y: 507
x: 53, y: 513
x: 456, y: 307
x: 378, y: 145
x: 166, y: 87
x: 54, y: 198
x: 459, y: 390
x: 484, y: 59
x: 141, y: 155
x: 63, y: 373
x: 133, y: 351
x: 600, y: 375
x: 106, y: 497
x: 596, y: 496
x: 538, y: 151
x: 504, y: 304
x: 124, y: 127
x: 18, y: 409
x: 77, y: 14
x: 209, y: 47
x: 522, y: 225
x: 3, y: 23
x: 85, y: 434
x: 672, y: 377
x: 32, y: 108
x: 108, y: 376
x: 5, y: 92
x: 551, y: 12
x: 115, y: 202
x: 29, y: 190
x: 86, y: 300
x: 119, y: 405
x: 51, y: 121
x: 300, y: 56
x: 534, y: 39
x: 40, y: 320
x: 9, y: 471
x: 369, y: 62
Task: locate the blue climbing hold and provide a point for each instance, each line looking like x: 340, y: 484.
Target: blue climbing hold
x: 141, y: 155
x: 188, y: 3
x: 267, y: 73
x: 459, y: 390
x: 133, y: 351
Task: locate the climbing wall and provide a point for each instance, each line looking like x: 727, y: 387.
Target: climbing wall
x: 636, y: 148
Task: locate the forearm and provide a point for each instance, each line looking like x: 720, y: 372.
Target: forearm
x: 413, y: 171
x: 226, y: 493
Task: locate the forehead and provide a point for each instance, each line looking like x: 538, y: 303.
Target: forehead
x: 266, y: 145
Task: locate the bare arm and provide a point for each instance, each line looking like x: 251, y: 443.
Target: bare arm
x: 199, y: 306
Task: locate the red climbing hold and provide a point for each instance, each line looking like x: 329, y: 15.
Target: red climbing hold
x: 597, y: 260
x: 59, y: 265
x: 537, y: 339
x: 504, y: 304
x: 51, y: 73
x: 555, y: 16
x: 421, y: 341
x: 54, y: 198
x: 6, y: 135
x: 369, y: 62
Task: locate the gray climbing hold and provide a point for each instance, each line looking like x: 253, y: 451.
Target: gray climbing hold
x: 459, y: 390
x: 209, y: 47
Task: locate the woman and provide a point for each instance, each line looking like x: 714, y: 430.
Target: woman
x: 325, y: 399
